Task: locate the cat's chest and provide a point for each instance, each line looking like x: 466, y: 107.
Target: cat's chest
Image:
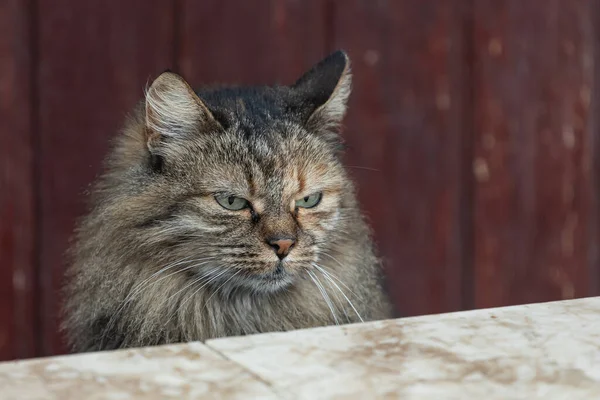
x: 300, y: 307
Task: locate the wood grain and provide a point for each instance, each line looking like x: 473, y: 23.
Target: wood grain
x: 408, y: 121
x: 95, y: 59
x: 249, y: 43
x: 17, y: 185
x: 534, y: 69
x: 473, y: 133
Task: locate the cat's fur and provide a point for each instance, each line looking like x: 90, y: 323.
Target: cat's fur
x: 158, y: 260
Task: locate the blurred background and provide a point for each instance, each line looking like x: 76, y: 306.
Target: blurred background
x: 472, y: 130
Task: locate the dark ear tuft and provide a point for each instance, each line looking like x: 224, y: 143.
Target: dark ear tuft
x: 323, y: 91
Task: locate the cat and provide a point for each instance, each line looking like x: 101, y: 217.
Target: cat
x: 224, y: 212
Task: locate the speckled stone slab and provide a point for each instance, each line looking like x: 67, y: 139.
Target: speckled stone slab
x: 541, y: 351
x: 190, y: 371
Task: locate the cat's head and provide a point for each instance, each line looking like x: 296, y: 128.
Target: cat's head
x: 243, y: 185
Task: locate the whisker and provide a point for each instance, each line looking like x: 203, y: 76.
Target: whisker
x: 219, y: 288
x: 341, y: 232
x: 365, y: 168
x: 140, y: 287
x: 326, y: 274
x: 324, y: 294
x: 169, y: 266
x: 166, y: 276
x: 335, y: 296
x: 212, y: 279
x: 193, y: 282
x: 335, y: 276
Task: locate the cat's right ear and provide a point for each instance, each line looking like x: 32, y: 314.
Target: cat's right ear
x: 173, y: 110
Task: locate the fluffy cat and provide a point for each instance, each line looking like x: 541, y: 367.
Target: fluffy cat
x: 224, y: 212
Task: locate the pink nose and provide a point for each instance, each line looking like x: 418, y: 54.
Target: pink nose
x: 282, y: 246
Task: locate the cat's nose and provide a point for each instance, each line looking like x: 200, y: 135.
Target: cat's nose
x: 282, y: 246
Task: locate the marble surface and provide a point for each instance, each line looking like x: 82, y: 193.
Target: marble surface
x: 190, y: 371
x: 541, y: 351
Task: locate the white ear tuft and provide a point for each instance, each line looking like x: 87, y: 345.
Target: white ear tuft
x: 172, y: 107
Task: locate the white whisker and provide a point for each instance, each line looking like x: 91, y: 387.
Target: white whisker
x: 363, y: 168
x: 339, y: 303
x: 324, y: 294
x: 336, y: 277
x: 326, y: 274
x: 212, y: 279
x: 193, y: 282
x: 146, y: 282
x: 139, y: 287
x: 223, y: 284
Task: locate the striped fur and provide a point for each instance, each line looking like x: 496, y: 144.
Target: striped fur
x: 158, y: 260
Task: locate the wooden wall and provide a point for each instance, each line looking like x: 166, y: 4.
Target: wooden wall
x: 473, y: 133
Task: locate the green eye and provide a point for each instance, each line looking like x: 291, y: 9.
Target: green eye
x: 231, y: 202
x: 309, y: 201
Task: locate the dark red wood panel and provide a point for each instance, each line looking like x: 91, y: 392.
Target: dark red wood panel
x: 408, y: 120
x: 594, y: 128
x: 473, y: 133
x: 534, y: 70
x: 95, y: 60
x: 253, y: 42
x: 17, y: 205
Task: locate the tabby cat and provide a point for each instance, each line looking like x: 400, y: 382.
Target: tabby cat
x: 222, y: 212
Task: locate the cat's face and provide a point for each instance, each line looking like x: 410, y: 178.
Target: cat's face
x: 263, y: 208
x: 255, y: 195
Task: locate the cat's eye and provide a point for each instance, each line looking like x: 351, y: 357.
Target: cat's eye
x: 309, y: 201
x: 231, y: 202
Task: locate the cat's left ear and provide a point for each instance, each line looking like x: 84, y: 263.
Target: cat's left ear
x: 173, y: 110
x: 324, y: 91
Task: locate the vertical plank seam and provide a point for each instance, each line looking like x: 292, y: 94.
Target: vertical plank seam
x: 34, y: 95
x: 467, y: 200
x: 177, y: 35
x: 594, y: 112
x: 329, y: 25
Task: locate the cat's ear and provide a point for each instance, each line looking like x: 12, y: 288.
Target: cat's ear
x: 324, y: 91
x: 173, y: 109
